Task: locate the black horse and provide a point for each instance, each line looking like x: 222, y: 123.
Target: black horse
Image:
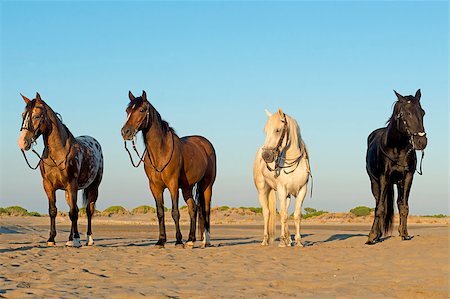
x: 391, y: 160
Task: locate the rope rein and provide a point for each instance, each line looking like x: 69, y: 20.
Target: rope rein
x: 146, y: 151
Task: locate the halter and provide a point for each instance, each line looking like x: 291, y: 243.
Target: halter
x: 141, y: 158
x: 279, y: 159
x: 410, y: 135
x: 33, y: 141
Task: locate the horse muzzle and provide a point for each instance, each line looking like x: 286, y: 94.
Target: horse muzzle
x: 128, y: 133
x: 419, y: 141
x: 269, y: 155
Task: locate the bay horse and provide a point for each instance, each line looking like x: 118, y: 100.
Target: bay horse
x: 281, y: 165
x: 67, y: 163
x: 172, y: 162
x: 391, y: 160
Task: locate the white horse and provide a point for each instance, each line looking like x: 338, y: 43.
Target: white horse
x: 281, y: 165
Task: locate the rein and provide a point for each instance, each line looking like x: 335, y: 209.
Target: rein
x: 399, y: 116
x: 141, y: 158
x: 34, y: 141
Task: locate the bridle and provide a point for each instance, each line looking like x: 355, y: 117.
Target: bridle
x: 399, y: 117
x: 146, y: 151
x: 33, y: 139
x: 281, y: 163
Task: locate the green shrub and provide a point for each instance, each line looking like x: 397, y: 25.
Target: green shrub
x: 184, y: 207
x: 255, y: 210
x: 311, y: 212
x: 34, y: 214
x: 361, y: 211
x: 16, y: 211
x: 436, y: 216
x: 82, y: 211
x: 3, y: 212
x: 144, y: 209
x: 224, y: 208
x: 116, y: 210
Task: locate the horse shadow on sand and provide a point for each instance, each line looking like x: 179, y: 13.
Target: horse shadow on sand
x: 332, y: 238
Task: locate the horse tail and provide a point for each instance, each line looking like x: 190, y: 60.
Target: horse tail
x: 85, y: 198
x: 389, y: 209
x: 199, y: 205
x: 272, y: 216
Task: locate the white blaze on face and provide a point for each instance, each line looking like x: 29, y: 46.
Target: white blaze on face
x: 23, y: 133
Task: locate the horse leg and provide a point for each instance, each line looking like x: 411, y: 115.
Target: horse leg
x: 285, y: 238
x: 404, y: 188
x: 52, y: 212
x: 192, y: 207
x: 158, y: 195
x: 90, y: 194
x: 379, y: 191
x: 201, y: 213
x: 71, y: 198
x: 207, y: 195
x: 174, y: 194
x: 263, y: 194
x: 298, y: 214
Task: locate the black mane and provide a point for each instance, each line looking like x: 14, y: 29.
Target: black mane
x: 154, y: 114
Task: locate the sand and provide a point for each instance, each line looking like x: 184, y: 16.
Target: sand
x: 125, y: 264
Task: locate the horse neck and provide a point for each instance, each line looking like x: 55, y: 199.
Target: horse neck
x: 293, y: 149
x: 57, y: 140
x: 158, y: 140
x: 394, y: 138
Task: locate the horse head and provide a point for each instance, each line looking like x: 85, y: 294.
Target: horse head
x: 138, y: 116
x: 409, y: 114
x: 277, y: 135
x: 34, y: 122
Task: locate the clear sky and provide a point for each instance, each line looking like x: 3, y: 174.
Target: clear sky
x: 211, y: 68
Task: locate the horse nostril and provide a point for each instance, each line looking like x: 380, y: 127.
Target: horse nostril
x: 125, y: 131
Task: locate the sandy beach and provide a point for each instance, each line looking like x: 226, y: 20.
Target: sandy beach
x: 334, y: 263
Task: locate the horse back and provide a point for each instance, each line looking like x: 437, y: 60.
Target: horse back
x: 372, y: 157
x: 90, y: 159
x: 199, y: 158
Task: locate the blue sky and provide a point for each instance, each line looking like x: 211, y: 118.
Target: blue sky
x: 211, y: 68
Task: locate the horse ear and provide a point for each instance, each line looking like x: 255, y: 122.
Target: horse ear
x: 27, y: 100
x: 130, y: 95
x: 38, y: 97
x: 268, y: 113
x: 144, y: 95
x: 400, y: 97
x: 280, y: 112
x: 418, y: 94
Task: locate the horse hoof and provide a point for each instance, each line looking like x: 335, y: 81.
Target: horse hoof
x: 204, y: 245
x: 371, y: 242
x: 264, y: 243
x: 179, y: 245
x: 159, y: 246
x: 406, y: 238
x: 299, y: 244
x: 75, y: 243
x: 51, y: 244
x: 189, y: 244
x: 90, y: 241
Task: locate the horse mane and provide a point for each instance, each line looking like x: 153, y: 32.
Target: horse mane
x: 397, y: 106
x: 295, y: 133
x: 49, y: 113
x: 154, y: 114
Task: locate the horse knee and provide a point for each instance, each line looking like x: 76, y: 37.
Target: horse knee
x: 52, y: 212
x: 380, y: 212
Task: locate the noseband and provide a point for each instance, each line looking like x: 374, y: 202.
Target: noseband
x: 276, y: 152
x: 141, y: 158
x: 411, y: 136
x: 33, y: 140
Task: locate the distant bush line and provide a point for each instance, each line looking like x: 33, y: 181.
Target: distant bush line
x: 145, y: 209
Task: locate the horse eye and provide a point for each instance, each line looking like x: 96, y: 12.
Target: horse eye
x: 141, y: 110
x: 36, y: 116
x: 277, y: 130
